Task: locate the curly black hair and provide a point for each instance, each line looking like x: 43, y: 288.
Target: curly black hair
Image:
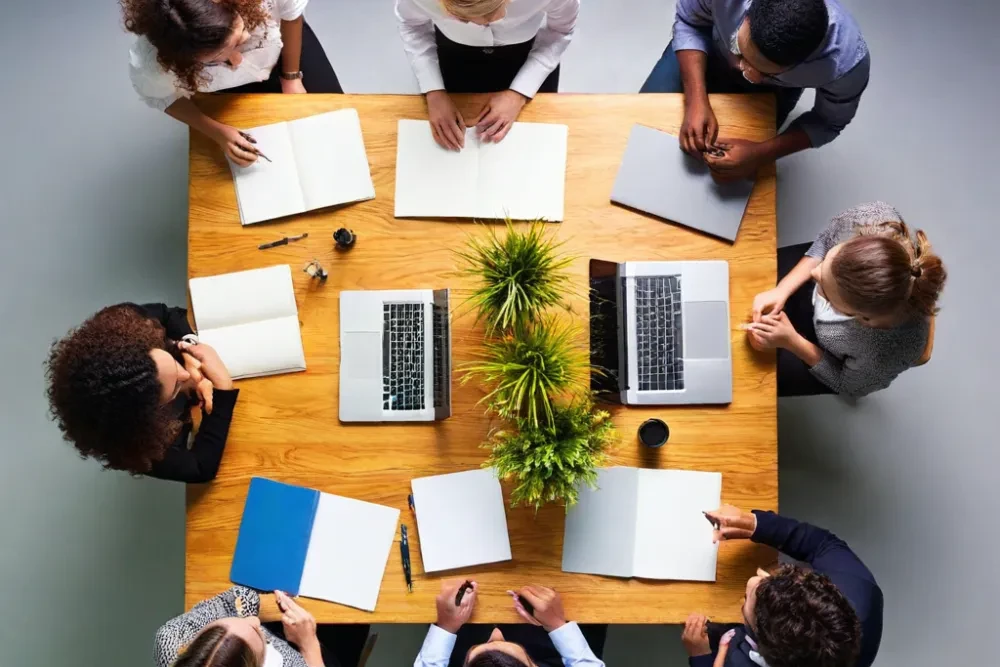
x: 786, y: 32
x: 803, y: 619
x: 495, y: 659
x: 104, y: 390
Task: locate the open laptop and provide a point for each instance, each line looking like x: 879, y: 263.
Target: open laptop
x: 395, y: 356
x: 659, y: 332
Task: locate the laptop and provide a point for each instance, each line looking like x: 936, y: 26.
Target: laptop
x: 658, y: 178
x: 395, y: 356
x: 659, y: 332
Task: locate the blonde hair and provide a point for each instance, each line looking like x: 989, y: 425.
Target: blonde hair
x: 473, y: 8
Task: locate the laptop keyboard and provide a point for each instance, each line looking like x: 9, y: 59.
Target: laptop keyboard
x: 403, y: 356
x: 659, y: 333
x: 441, y: 367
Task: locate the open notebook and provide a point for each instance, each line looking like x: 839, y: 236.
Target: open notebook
x: 251, y: 320
x: 319, y: 545
x: 644, y: 523
x: 316, y: 162
x: 523, y: 176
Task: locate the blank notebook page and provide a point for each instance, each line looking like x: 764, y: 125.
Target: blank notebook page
x: 673, y: 537
x: 332, y: 163
x: 267, y: 190
x: 243, y: 297
x: 258, y: 348
x: 599, y: 537
x: 524, y: 176
x: 460, y: 520
x: 432, y: 182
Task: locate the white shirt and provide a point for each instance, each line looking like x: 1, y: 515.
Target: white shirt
x: 159, y: 88
x: 568, y: 640
x: 550, y: 22
x: 823, y: 311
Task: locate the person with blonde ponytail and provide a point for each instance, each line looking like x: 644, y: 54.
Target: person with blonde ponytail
x: 508, y: 48
x: 868, y: 317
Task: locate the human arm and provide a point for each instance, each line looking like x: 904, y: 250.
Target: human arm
x: 299, y: 627
x: 416, y: 29
x: 835, y: 106
x: 547, y: 50
x: 235, y: 146
x: 821, y: 549
x: 548, y: 613
x: 440, y: 640
x: 173, y: 319
x: 200, y: 463
x: 291, y: 54
x: 773, y: 300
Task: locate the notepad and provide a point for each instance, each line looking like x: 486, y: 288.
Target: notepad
x: 316, y: 162
x: 522, y: 177
x: 461, y: 520
x: 251, y: 320
x: 644, y: 523
x: 318, y: 545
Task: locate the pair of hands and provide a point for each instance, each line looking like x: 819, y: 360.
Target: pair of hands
x: 300, y: 628
x: 238, y: 147
x: 732, y: 524
x: 207, y: 371
x: 493, y: 123
x: 699, y: 138
x: 770, y: 327
x: 548, y: 607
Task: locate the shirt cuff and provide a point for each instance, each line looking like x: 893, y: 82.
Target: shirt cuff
x: 224, y: 402
x: 429, y: 77
x: 816, y: 129
x: 530, y: 78
x: 571, y: 644
x: 691, y: 40
x: 767, y: 522
x: 438, y: 645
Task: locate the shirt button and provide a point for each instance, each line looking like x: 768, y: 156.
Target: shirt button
x: 487, y: 51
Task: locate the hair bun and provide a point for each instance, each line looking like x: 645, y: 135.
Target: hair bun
x: 916, y: 271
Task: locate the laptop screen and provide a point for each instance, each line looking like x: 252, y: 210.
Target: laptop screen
x: 604, y: 349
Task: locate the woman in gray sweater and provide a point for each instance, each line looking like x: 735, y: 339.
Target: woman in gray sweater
x: 868, y: 317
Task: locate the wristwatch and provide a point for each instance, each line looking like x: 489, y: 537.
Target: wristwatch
x: 291, y: 76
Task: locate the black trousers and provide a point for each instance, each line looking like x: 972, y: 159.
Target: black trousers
x: 341, y: 644
x: 534, y: 640
x: 474, y: 69
x: 317, y: 72
x: 794, y: 377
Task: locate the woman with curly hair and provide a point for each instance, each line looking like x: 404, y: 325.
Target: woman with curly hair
x: 868, y: 317
x: 121, y: 387
x: 241, y: 46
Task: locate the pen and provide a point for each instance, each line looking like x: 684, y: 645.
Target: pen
x: 256, y: 150
x: 404, y: 552
x: 715, y: 524
x: 462, y: 590
x: 409, y: 501
x: 282, y: 241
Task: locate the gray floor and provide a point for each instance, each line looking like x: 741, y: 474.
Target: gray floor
x: 93, y: 209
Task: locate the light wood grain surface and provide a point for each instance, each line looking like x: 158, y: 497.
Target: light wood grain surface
x: 286, y: 427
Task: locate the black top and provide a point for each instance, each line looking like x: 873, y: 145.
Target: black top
x: 200, y: 463
x: 825, y: 553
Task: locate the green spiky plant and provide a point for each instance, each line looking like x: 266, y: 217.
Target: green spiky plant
x: 527, y: 369
x: 519, y: 275
x: 548, y: 464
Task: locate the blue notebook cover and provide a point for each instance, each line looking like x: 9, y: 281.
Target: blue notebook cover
x: 274, y: 536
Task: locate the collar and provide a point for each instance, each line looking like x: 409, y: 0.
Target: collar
x: 271, y: 656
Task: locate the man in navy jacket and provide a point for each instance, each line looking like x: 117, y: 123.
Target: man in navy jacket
x: 826, y: 615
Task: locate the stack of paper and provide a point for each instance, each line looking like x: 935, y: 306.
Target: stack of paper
x: 251, y: 320
x: 314, y: 162
x: 461, y: 520
x: 522, y: 177
x: 319, y: 545
x: 644, y: 523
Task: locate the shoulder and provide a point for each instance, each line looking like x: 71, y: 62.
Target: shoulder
x: 172, y: 636
x: 142, y: 55
x: 286, y: 10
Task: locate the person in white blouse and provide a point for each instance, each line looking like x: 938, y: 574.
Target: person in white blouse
x: 245, y: 46
x: 509, y: 48
x: 546, y: 640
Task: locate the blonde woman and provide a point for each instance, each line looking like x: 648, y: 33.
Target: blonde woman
x: 868, y: 317
x: 509, y: 48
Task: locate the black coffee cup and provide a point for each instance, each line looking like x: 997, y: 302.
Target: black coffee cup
x: 654, y: 433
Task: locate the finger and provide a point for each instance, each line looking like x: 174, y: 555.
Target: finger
x: 460, y: 120
x: 482, y: 115
x: 699, y: 138
x: 713, y: 133
x: 287, y: 619
x: 490, y: 131
x: 240, y: 153
x: 248, y: 137
x: 208, y: 396
x: 523, y: 613
x: 447, y: 141
x: 720, y: 658
x: 457, y: 134
x: 531, y: 596
x: 503, y: 132
x: 700, y: 624
x: 437, y: 137
x: 684, y: 142
x: 487, y: 120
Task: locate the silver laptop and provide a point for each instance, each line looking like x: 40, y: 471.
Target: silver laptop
x: 659, y: 332
x: 658, y: 178
x: 395, y: 356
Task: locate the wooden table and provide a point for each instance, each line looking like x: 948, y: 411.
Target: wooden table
x: 286, y: 427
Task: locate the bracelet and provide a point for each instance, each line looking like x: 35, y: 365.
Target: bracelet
x: 291, y: 76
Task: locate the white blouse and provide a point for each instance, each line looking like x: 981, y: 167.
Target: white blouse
x: 550, y: 22
x: 159, y: 88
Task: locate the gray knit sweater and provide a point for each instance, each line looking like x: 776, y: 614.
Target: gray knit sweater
x: 859, y: 359
x: 237, y: 601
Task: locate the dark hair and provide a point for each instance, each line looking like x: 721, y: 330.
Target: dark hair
x: 884, y: 271
x: 786, y: 32
x: 104, y: 390
x: 802, y: 618
x: 216, y: 647
x: 495, y: 659
x: 183, y: 30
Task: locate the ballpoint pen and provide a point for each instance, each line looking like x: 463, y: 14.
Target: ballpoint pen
x: 404, y: 552
x: 282, y: 241
x: 256, y: 150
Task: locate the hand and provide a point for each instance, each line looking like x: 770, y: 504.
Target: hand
x: 499, y: 114
x: 236, y: 147
x: 202, y: 385
x: 720, y: 657
x: 292, y: 86
x: 449, y: 617
x: 700, y: 129
x: 548, y: 607
x: 447, y: 124
x: 298, y: 624
x: 733, y: 523
x: 211, y: 366
x: 772, y: 301
x: 695, y: 635
x: 741, y: 160
x: 773, y: 331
